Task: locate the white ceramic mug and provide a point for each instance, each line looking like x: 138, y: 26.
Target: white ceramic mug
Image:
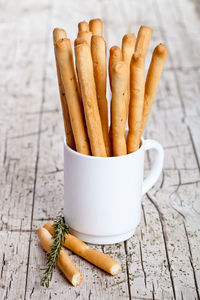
x: 102, y: 195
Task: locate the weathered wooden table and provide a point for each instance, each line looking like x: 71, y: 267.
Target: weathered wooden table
x: 161, y: 261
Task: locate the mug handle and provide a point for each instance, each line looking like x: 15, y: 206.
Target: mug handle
x: 154, y: 173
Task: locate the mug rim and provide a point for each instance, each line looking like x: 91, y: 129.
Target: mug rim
x: 76, y: 153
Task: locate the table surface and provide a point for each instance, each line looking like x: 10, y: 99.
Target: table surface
x: 161, y: 260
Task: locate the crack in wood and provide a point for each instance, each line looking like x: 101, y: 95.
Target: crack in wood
x: 5, y: 149
x: 56, y: 171
x: 144, y: 216
x: 165, y: 242
x: 186, y: 183
x: 194, y: 149
x: 191, y: 262
x: 17, y: 230
x: 90, y: 294
x: 153, y: 291
x: 175, y: 146
x: 183, y: 68
x: 28, y: 134
x: 3, y: 264
x: 47, y: 111
x: 163, y: 180
x: 182, y: 295
x: 178, y: 212
x: 32, y: 292
x: 142, y: 265
x: 127, y: 270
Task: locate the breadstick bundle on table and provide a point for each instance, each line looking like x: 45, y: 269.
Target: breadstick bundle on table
x: 82, y: 84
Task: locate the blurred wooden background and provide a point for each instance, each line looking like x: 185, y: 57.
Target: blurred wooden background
x: 161, y: 261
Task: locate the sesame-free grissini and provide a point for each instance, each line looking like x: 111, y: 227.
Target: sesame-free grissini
x: 119, y: 112
x: 66, y: 66
x: 159, y: 57
x: 83, y: 26
x: 98, y: 50
x: 128, y: 47
x: 115, y: 56
x: 86, y: 35
x: 96, y: 26
x: 137, y: 85
x: 58, y: 34
x: 88, y: 92
x: 79, y: 41
x: 64, y: 262
x: 94, y: 256
x: 143, y: 40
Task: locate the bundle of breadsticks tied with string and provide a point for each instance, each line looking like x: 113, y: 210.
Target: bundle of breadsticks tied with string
x: 83, y: 81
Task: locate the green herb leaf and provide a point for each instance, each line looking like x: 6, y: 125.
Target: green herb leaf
x: 60, y: 229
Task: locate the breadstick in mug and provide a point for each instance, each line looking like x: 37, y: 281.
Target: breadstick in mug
x: 153, y: 76
x: 98, y: 50
x: 128, y: 47
x: 96, y: 26
x: 79, y: 41
x: 66, y: 66
x: 137, y: 84
x: 95, y: 257
x: 65, y: 263
x: 143, y: 39
x: 58, y: 34
x: 118, y: 102
x: 115, y: 56
x: 83, y: 26
x: 88, y: 92
x: 86, y: 36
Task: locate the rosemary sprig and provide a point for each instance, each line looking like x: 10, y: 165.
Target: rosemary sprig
x: 60, y: 229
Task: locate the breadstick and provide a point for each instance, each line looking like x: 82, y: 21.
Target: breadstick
x: 89, y: 98
x: 153, y: 76
x: 96, y: 26
x: 64, y: 262
x: 66, y: 66
x: 83, y: 26
x: 95, y: 257
x: 143, y: 39
x: 119, y: 101
x: 115, y: 56
x: 57, y: 35
x: 86, y: 36
x: 128, y: 48
x: 136, y: 102
x: 98, y: 50
x: 79, y: 41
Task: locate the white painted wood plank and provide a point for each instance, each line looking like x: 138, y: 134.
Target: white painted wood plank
x: 13, y: 254
x: 21, y: 64
x: 166, y: 125
x: 154, y: 286
x: 162, y: 257
x: 20, y: 103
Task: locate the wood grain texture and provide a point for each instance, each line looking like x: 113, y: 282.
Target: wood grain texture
x: 161, y: 261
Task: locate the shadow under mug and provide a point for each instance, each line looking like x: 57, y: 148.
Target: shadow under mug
x: 102, y: 195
